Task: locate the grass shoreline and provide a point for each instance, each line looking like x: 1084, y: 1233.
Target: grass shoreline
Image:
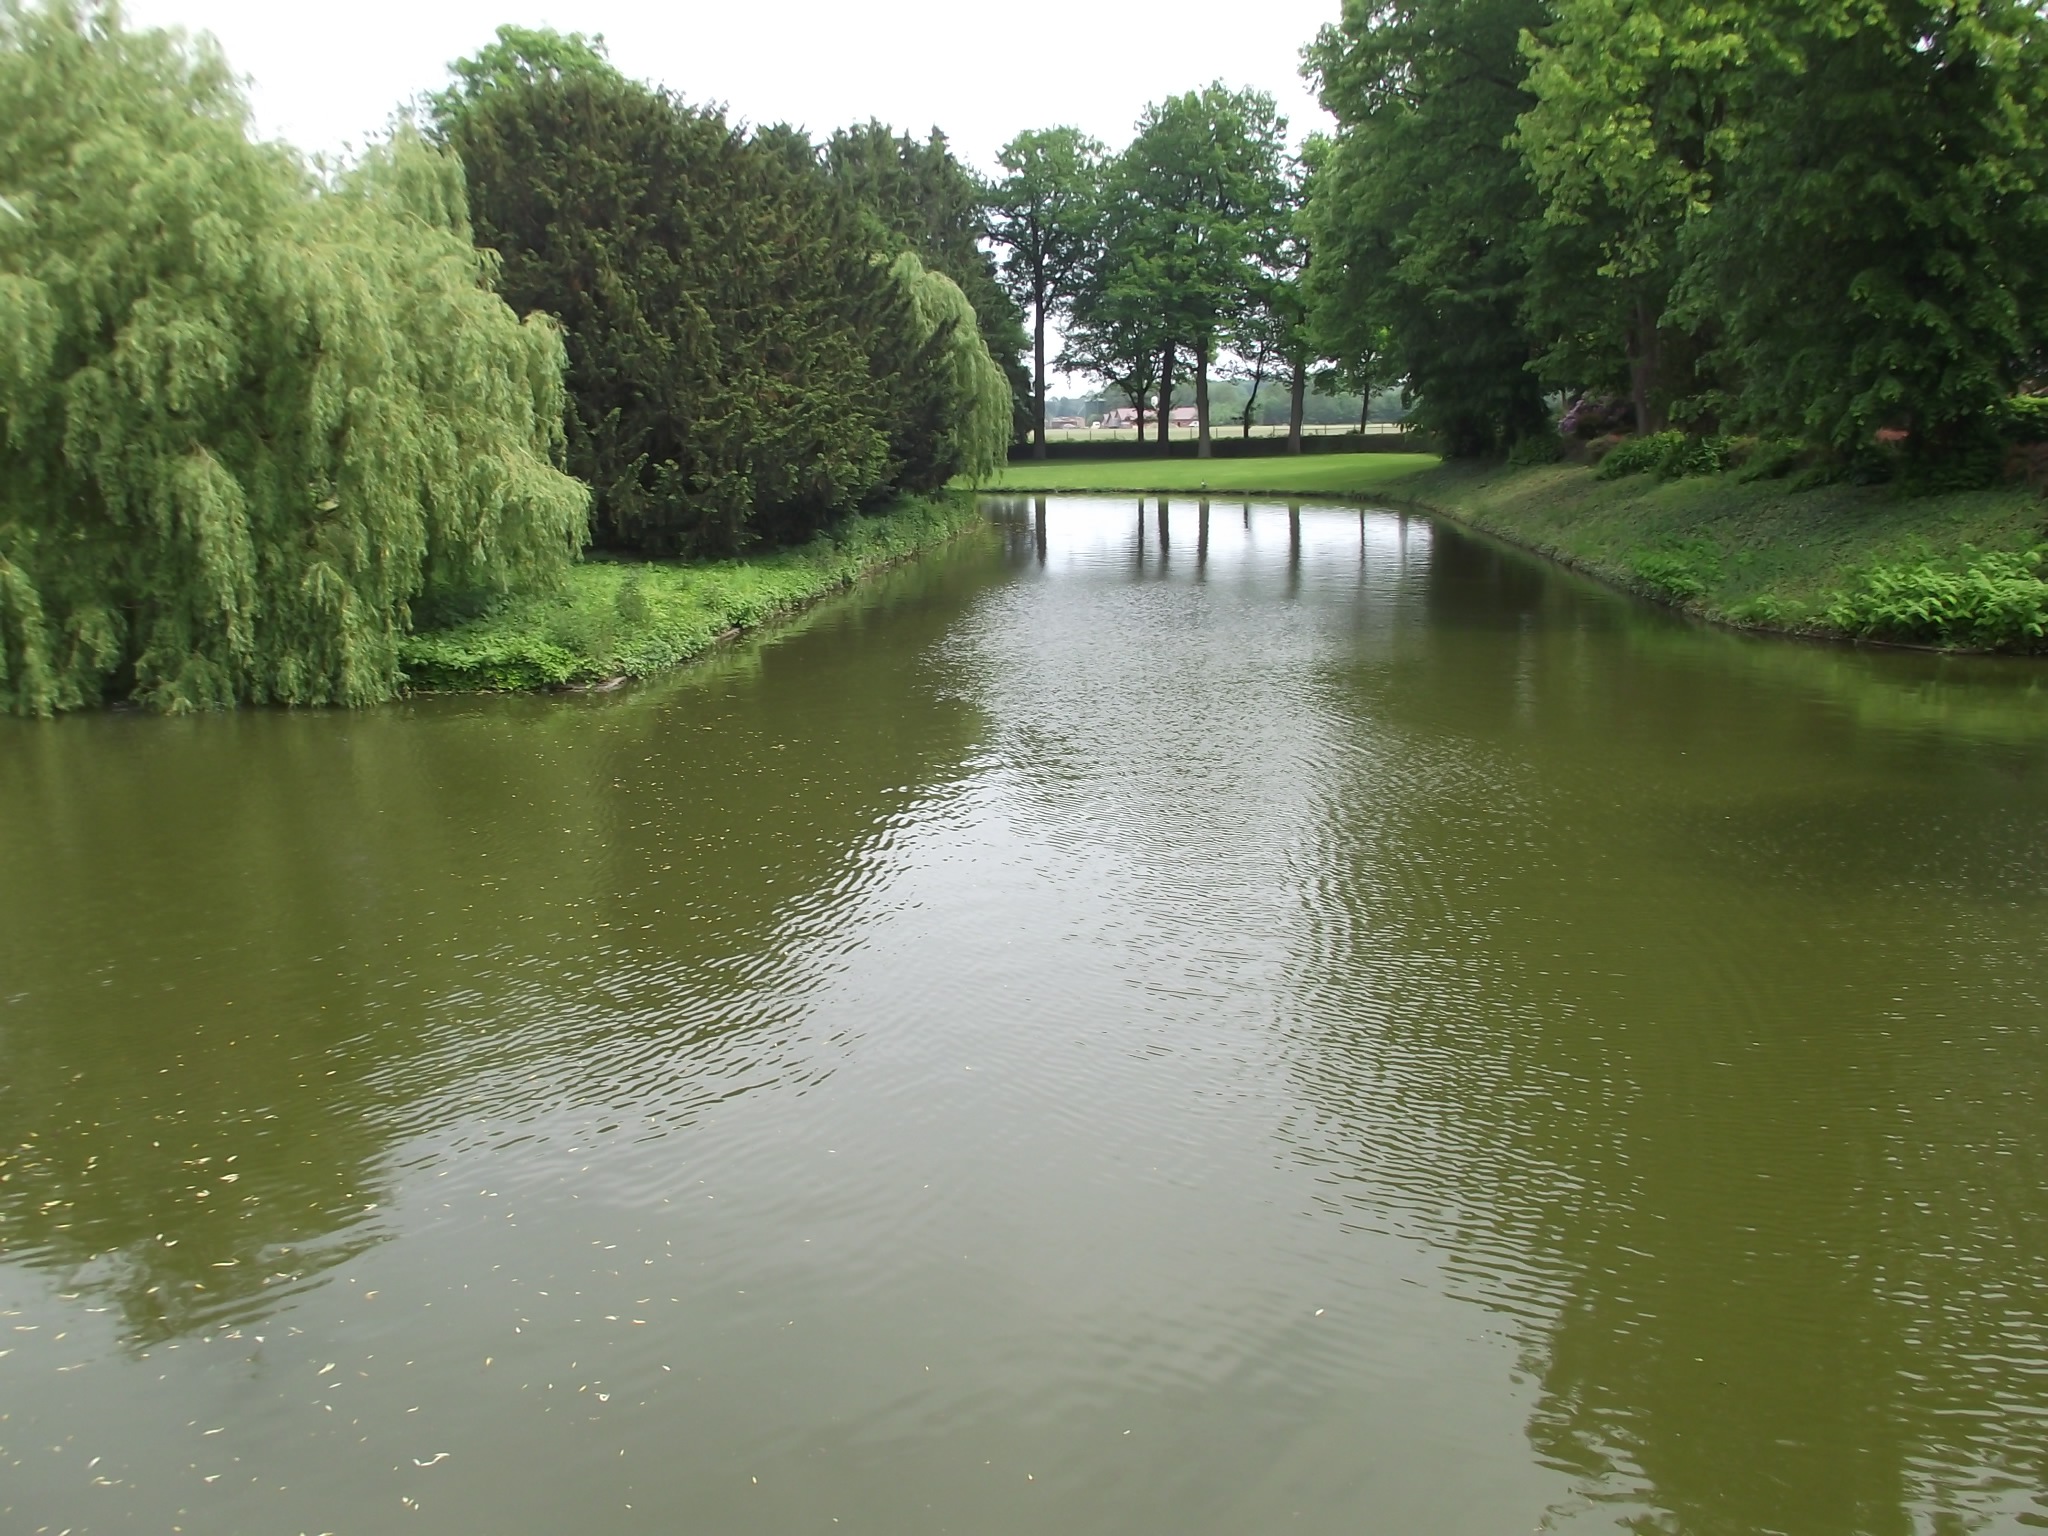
x: 611, y: 621
x: 1753, y: 555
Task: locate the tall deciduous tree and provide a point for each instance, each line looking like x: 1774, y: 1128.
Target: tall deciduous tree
x: 1420, y: 207
x: 247, y: 418
x: 1042, y: 213
x: 1115, y: 342
x: 1842, y: 202
x: 1203, y: 193
x: 1637, y: 109
x: 1875, y: 255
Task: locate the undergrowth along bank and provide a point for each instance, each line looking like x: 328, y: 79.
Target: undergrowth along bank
x: 627, y: 619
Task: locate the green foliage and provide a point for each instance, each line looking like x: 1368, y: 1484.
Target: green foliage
x: 1420, y: 206
x: 1770, y: 458
x: 1874, y: 255
x: 975, y: 395
x: 917, y: 197
x: 1043, y: 214
x: 1681, y: 575
x: 1996, y: 602
x: 247, y: 419
x: 1768, y: 610
x: 714, y: 302
x: 1670, y: 455
x: 1536, y: 448
x: 1193, y: 212
x: 752, y: 353
x: 1639, y: 455
x: 1696, y: 454
x: 1629, y: 129
x: 2024, y: 419
x: 519, y: 56
x: 616, y: 619
x: 1819, y: 221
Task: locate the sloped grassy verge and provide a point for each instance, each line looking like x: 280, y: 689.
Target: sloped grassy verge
x: 1961, y: 570
x: 617, y: 619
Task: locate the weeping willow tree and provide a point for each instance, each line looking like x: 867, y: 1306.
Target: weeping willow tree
x: 248, y: 417
x: 975, y: 416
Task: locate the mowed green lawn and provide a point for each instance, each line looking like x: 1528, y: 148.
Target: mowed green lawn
x: 1316, y: 474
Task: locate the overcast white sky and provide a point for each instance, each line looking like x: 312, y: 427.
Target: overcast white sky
x: 324, y: 76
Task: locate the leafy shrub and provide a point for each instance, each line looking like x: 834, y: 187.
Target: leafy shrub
x: 1768, y: 611
x: 1770, y: 458
x: 1638, y: 455
x: 1598, y: 448
x: 1534, y: 449
x: 1821, y: 472
x: 1707, y: 455
x: 1678, y: 575
x: 1998, y: 602
x: 2025, y: 419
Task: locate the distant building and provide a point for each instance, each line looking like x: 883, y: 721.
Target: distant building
x: 1126, y: 416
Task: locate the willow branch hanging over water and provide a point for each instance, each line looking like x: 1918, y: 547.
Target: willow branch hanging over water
x: 976, y: 439
x: 247, y: 416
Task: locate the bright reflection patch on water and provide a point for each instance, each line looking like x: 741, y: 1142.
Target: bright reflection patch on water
x: 1159, y: 1018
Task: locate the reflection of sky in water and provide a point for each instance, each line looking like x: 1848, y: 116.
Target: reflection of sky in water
x: 1263, y: 1018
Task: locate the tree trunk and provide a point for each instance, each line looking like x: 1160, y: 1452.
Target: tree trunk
x: 1038, y: 371
x: 1297, y: 400
x: 1202, y: 450
x: 1251, y: 403
x: 1364, y: 410
x: 1165, y: 393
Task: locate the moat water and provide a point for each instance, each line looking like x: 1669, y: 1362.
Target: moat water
x: 1176, y: 1019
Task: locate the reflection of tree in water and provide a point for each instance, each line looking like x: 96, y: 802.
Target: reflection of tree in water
x: 247, y: 957
x: 1698, y: 1025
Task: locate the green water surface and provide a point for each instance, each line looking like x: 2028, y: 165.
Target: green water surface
x: 1155, y: 1019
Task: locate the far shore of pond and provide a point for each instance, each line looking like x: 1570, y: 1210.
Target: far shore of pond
x: 1756, y: 554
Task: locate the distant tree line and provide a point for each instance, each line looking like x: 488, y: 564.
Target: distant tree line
x: 1159, y: 263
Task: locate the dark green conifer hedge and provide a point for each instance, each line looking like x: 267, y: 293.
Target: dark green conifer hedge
x: 747, y: 358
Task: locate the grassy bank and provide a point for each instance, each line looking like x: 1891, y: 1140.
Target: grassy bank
x: 631, y: 619
x: 1331, y: 474
x: 1837, y: 560
x: 1840, y: 560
